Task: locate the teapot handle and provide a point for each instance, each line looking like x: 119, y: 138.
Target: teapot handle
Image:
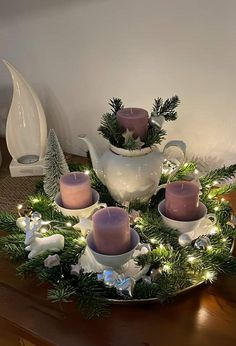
x: 181, y: 146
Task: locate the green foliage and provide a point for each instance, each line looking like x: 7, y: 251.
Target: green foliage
x: 222, y: 190
x: 13, y: 246
x: 219, y: 175
x: 166, y: 108
x: 184, y: 171
x: 91, y: 296
x: 130, y: 144
x: 176, y: 267
x: 154, y: 136
x: 116, y: 104
x: 151, y: 227
x: 110, y: 129
x: 8, y: 222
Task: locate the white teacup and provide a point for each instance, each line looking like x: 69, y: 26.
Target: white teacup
x: 187, y: 226
x: 85, y: 212
x: 114, y: 261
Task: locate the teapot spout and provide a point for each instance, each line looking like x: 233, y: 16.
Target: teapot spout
x: 96, y: 162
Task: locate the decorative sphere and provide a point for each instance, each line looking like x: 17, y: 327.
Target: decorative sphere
x: 184, y: 239
x: 202, y: 243
x: 110, y: 277
x: 36, y: 216
x: 155, y: 273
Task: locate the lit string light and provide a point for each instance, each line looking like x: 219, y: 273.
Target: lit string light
x: 166, y: 268
x: 208, y: 275
x: 191, y: 259
x: 215, y: 182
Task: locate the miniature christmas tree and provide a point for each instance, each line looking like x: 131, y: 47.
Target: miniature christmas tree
x: 55, y: 165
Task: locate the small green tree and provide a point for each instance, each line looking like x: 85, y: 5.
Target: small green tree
x: 55, y: 165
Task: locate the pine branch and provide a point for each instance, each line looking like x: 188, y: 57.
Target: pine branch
x: 154, y: 136
x: 167, y: 108
x: 184, y: 171
x: 222, y: 190
x: 62, y: 292
x: 151, y: 226
x: 116, y: 104
x: 13, y: 246
x: 30, y: 267
x: 155, y: 257
x: 228, y: 266
x: 111, y: 130
x: 131, y: 144
x: 219, y: 174
x: 143, y: 290
x: 8, y: 223
x: 91, y: 296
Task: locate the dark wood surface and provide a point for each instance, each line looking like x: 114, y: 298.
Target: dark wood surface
x: 203, y: 316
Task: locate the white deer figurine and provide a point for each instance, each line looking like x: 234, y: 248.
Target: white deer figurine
x: 31, y: 230
x: 37, y: 245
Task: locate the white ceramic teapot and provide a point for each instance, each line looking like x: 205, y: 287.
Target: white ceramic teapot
x: 130, y: 175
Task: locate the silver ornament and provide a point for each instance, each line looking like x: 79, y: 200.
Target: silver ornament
x: 125, y: 285
x: 155, y: 272
x: 169, y: 166
x: 156, y: 120
x: 184, y: 239
x: 100, y: 276
x: 35, y: 216
x: 202, y: 243
x: 110, y: 277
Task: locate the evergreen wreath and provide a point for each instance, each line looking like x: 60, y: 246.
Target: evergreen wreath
x: 110, y: 129
x: 176, y: 267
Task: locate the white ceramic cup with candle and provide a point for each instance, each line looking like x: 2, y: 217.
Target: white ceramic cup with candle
x: 83, y: 212
x: 187, y: 226
x: 114, y: 261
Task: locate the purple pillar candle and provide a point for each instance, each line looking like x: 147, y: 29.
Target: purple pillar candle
x: 182, y: 201
x: 134, y: 119
x: 76, y: 192
x: 111, y: 231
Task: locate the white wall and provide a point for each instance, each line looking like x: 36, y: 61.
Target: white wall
x: 79, y: 53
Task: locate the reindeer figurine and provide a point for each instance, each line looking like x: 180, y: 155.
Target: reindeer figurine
x: 36, y: 244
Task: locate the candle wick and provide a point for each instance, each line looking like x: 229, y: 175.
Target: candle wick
x: 74, y: 176
x: 108, y: 212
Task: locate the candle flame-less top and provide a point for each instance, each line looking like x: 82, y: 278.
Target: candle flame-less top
x: 134, y: 119
x: 75, y: 178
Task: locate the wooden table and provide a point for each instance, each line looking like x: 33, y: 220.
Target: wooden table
x: 204, y: 316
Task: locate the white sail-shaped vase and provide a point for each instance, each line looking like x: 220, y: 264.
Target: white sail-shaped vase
x: 26, y: 129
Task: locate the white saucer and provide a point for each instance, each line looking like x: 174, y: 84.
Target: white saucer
x: 89, y: 264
